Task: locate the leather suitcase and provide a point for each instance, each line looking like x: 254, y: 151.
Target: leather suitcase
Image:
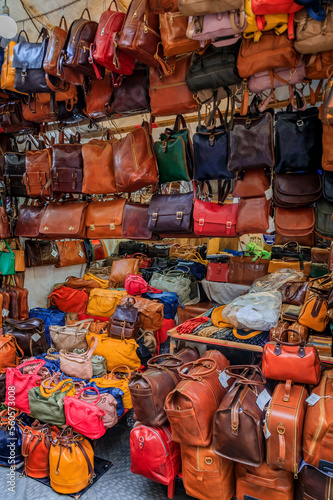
x: 263, y: 483
x: 207, y: 476
x: 284, y: 421
x: 313, y: 484
x: 189, y: 312
x: 318, y: 425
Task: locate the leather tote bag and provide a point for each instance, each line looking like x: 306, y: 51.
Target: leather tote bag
x: 78, y: 365
x: 71, y: 253
x: 130, y: 94
x: 324, y: 223
x: 104, y: 302
x: 28, y: 63
x: 22, y: 383
x: 171, y: 213
x: 41, y: 253
x: 202, y: 7
x: 244, y: 270
x: 100, y: 154
x: 118, y: 353
x: 106, y: 402
x: 69, y: 300
x: 295, y: 361
x: 64, y: 220
x: 121, y: 269
x: 70, y: 337
x: 173, y: 26
x: 47, y: 405
x: 104, y: 219
x: 134, y: 161
x: 296, y: 190
x: 173, y: 281
x: 85, y: 418
x: 327, y: 180
x: 10, y: 353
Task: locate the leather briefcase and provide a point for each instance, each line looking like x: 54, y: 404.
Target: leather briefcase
x: 296, y: 190
x: 313, y: 484
x: 284, y: 424
x: 240, y: 418
x: 263, y: 482
x: 67, y: 168
x: 104, y: 219
x: 29, y: 334
x: 244, y: 270
x: 206, y: 475
x: 41, y: 253
x: 171, y: 213
x: 201, y: 388
x: 149, y: 389
x: 135, y: 222
x: 65, y: 220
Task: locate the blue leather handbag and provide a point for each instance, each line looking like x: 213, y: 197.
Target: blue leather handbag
x: 50, y: 317
x: 198, y: 269
x: 169, y: 300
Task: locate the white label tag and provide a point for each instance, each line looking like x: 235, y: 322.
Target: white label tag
x: 5, y: 312
x: 54, y: 253
x: 313, y: 399
x: 266, y: 432
x: 35, y: 337
x: 269, y: 193
x: 223, y: 378
x: 263, y: 399
x: 235, y: 200
x: 81, y: 254
x: 271, y: 227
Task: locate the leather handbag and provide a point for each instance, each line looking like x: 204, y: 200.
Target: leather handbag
x: 70, y: 337
x: 324, y: 223
x: 317, y: 438
x: 104, y: 51
x: 41, y: 253
x: 28, y: 220
x: 171, y: 213
x: 251, y: 184
x: 71, y: 463
x: 71, y: 253
x: 294, y: 223
x: 47, y: 405
x: 37, y: 172
x: 199, y: 7
x: 98, y: 97
x: 100, y: 154
x: 320, y: 255
x: 314, y: 35
x: 29, y: 334
x: 69, y: 300
x: 253, y: 215
x: 67, y: 168
x: 223, y: 28
x: 284, y: 423
x: 296, y: 361
x: 11, y: 117
x: 296, y: 190
x: 172, y: 85
x: 200, y: 389
x: 149, y: 389
x: 56, y: 41
x: 240, y: 416
x: 218, y: 272
x: 160, y: 6
x: 50, y: 317
x: 216, y: 67
x: 7, y: 261
x: 291, y: 250
x: 153, y: 453
x: 302, y: 130
x: 120, y: 380
x: 10, y: 352
x: 175, y: 280
x: 22, y: 384
x: 294, y: 292
x: 314, y: 313
x: 120, y: 270
x: 173, y: 26
x: 118, y: 353
x: 135, y: 222
x: 151, y: 312
x: 139, y: 36
x: 265, y: 482
x: 256, y: 25
x: 130, y: 93
x: 274, y: 79
x: 36, y: 443
x: 106, y: 402
x: 244, y: 270
x: 207, y: 476
x: 5, y: 222
x: 28, y: 64
x: 78, y: 365
x: 327, y: 182
x: 136, y: 285
x: 64, y: 220
x: 134, y: 161
x: 104, y: 302
x: 104, y: 219
x: 13, y: 174
x: 244, y: 151
x: 293, y: 264
x: 313, y: 483
x: 14, y: 431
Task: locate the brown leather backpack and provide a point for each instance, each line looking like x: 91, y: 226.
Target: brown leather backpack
x: 38, y: 168
x: 161, y: 6
x: 98, y: 97
x: 55, y: 45
x: 98, y: 153
x: 173, y: 26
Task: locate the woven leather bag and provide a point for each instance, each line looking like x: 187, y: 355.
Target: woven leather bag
x: 70, y: 337
x: 202, y: 7
x: 102, y: 155
x: 120, y: 380
x: 104, y: 302
x: 118, y: 353
x: 22, y: 384
x: 37, y: 174
x: 69, y: 300
x: 78, y: 365
x: 47, y: 404
x: 36, y: 443
x: 151, y: 312
x: 173, y: 26
x: 139, y: 36
x: 10, y: 352
x: 106, y: 402
x: 64, y: 220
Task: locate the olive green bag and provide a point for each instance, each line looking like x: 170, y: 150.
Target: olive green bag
x: 324, y: 224
x: 47, y: 405
x: 174, y: 153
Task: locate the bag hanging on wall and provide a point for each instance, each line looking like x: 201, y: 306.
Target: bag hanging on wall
x: 253, y: 215
x: 295, y: 222
x: 223, y: 28
x: 251, y: 184
x: 135, y: 222
x: 28, y: 63
x: 256, y: 25
x: 274, y: 79
x: 324, y: 223
x: 130, y: 93
x: 327, y: 182
x: 100, y: 154
x: 171, y: 213
x: 11, y: 117
x: 173, y: 26
x: 160, y: 6
x: 98, y: 97
x: 64, y: 220
x: 67, y: 168
x: 41, y: 253
x: 314, y: 35
x: 37, y: 174
x: 22, y: 383
x: 296, y: 190
x: 28, y: 221
x: 56, y: 41
x: 71, y: 253
x: 7, y: 261
x: 263, y: 7
x: 104, y: 219
x: 7, y: 69
x: 199, y: 7
x: 13, y: 173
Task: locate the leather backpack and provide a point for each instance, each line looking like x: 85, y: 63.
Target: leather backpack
x: 139, y: 36
x: 202, y: 7
x: 173, y: 26
x: 38, y: 171
x: 98, y: 97
x: 161, y: 6
x: 125, y: 321
x: 130, y: 94
x: 101, y: 153
x: 67, y: 168
x: 55, y: 45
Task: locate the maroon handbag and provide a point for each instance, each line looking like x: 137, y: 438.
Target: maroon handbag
x: 135, y: 222
x: 218, y: 271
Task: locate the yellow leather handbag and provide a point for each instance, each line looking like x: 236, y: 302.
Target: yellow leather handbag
x: 118, y: 353
x: 119, y: 381
x: 276, y: 265
x: 7, y: 71
x: 257, y: 24
x: 104, y: 302
x: 102, y: 283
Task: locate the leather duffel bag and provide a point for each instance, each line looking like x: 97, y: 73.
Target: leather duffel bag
x: 29, y: 334
x: 151, y: 312
x: 264, y: 482
x: 244, y: 270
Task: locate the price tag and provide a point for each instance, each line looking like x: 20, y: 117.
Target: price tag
x: 81, y: 254
x: 5, y: 312
x: 54, y: 253
x: 223, y: 378
x: 35, y: 337
x: 271, y: 227
x: 235, y: 200
x: 263, y: 399
x: 267, y: 433
x: 269, y: 193
x: 313, y: 399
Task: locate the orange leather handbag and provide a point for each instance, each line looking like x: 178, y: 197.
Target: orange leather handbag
x: 263, y: 482
x: 36, y: 444
x: 121, y: 269
x: 71, y: 253
x: 314, y: 313
x: 98, y: 153
x: 64, y: 220
x: 8, y: 352
x: 295, y: 361
x: 105, y: 218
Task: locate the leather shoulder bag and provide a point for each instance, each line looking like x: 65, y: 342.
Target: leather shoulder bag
x: 64, y: 220
x: 47, y: 405
x: 104, y: 302
x: 29, y: 334
x: 71, y: 253
x: 10, y: 352
x: 251, y: 184
x: 296, y: 190
x: 253, y: 215
x: 70, y: 337
x: 104, y: 219
x: 294, y: 223
x: 84, y: 417
x: 37, y: 172
x: 135, y: 222
x: 171, y: 213
x: 120, y: 270
x: 78, y: 365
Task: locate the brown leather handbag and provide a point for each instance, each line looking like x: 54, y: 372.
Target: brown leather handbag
x: 294, y: 292
x: 41, y: 253
x: 253, y: 215
x: 71, y: 253
x: 98, y: 153
x: 104, y: 219
x: 67, y: 168
x: 29, y: 334
x: 239, y: 418
x: 98, y: 97
x: 37, y: 174
x: 5, y: 226
x: 302, y: 330
x: 121, y: 269
x: 125, y: 321
x: 206, y: 475
x: 135, y: 223
x: 320, y: 255
x: 150, y: 388
x: 263, y: 482
x: 161, y: 6
x: 278, y: 330
x: 169, y: 94
x: 151, y: 312
x: 296, y: 190
x: 41, y: 112
x: 139, y: 36
x: 134, y: 161
x: 11, y: 117
x: 173, y: 26
x: 244, y: 270
x: 295, y: 223
x: 276, y: 265
x: 284, y: 424
x: 57, y: 39
x: 64, y: 220
x: 130, y: 94
x: 10, y: 352
x: 251, y: 184
x: 191, y: 406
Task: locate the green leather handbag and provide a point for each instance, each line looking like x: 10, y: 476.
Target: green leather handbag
x: 47, y: 405
x: 174, y: 153
x: 7, y: 261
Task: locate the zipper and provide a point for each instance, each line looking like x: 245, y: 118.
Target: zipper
x: 135, y: 13
x: 161, y: 440
x: 322, y: 414
x: 103, y: 30
x: 77, y: 29
x: 295, y: 433
x: 177, y: 14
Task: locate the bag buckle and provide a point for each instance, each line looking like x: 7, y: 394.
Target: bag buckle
x: 201, y: 222
x: 179, y: 215
x: 71, y: 228
x: 92, y: 227
x: 112, y: 226
x: 155, y: 215
x: 281, y: 428
x: 228, y: 225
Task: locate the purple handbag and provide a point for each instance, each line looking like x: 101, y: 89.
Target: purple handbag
x: 222, y: 29
x: 278, y: 78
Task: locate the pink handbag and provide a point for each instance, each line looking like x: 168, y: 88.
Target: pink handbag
x: 278, y: 78
x: 85, y: 418
x: 224, y: 28
x: 136, y: 285
x: 107, y: 403
x: 18, y: 384
x: 78, y: 365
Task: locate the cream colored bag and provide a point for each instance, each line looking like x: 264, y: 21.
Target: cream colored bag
x: 70, y: 337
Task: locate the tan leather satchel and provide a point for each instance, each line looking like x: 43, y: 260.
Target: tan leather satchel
x: 71, y: 253
x: 78, y: 365
x: 120, y: 270
x: 105, y: 218
x: 64, y: 220
x: 151, y: 312
x: 296, y: 222
x: 173, y: 26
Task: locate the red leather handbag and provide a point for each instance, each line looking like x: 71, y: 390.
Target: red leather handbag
x: 218, y: 271
x: 69, y: 300
x: 265, y: 7
x: 153, y: 453
x: 18, y: 384
x: 295, y: 361
x: 136, y: 285
x: 85, y: 418
x: 104, y: 50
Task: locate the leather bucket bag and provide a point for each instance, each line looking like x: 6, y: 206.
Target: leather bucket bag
x: 36, y: 444
x: 78, y: 365
x: 29, y: 334
x: 70, y: 337
x: 104, y: 219
x: 22, y: 383
x: 297, y: 362
x: 64, y: 220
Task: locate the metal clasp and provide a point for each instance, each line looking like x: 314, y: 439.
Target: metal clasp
x: 179, y: 215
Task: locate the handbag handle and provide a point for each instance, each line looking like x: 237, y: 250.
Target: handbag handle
x: 168, y: 357
x: 46, y: 392
x: 300, y: 343
x: 112, y: 374
x: 241, y: 377
x: 93, y: 340
x: 90, y: 389
x: 39, y: 362
x: 208, y: 363
x: 179, y: 120
x: 113, y: 2
x: 63, y: 19
x: 25, y: 34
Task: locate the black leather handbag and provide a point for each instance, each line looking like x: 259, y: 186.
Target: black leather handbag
x: 327, y: 185
x: 131, y: 247
x: 298, y: 140
x: 215, y: 68
x: 13, y: 174
x: 291, y: 250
